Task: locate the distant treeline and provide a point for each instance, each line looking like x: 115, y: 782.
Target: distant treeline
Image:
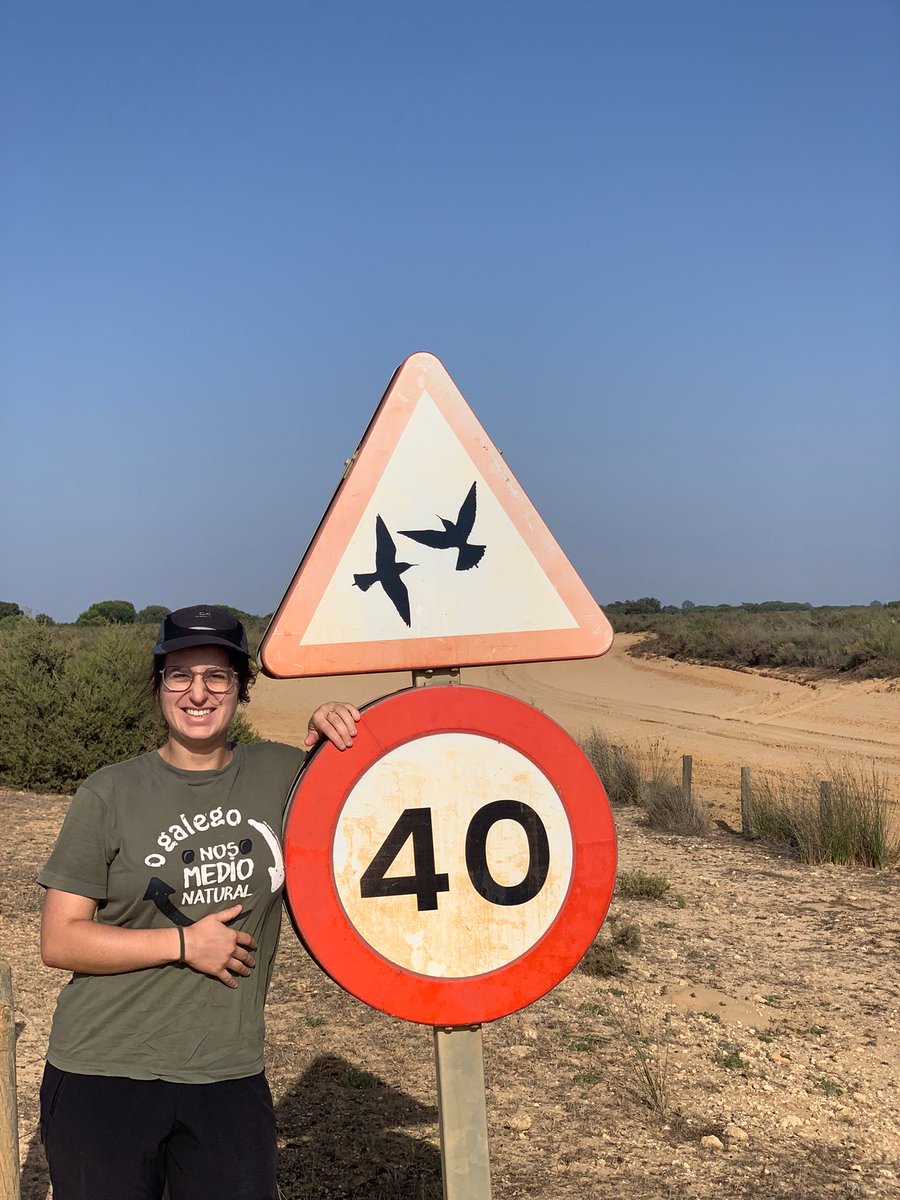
x: 649, y: 604
x: 115, y: 612
x: 857, y: 641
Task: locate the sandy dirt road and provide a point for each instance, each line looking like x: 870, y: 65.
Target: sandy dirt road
x: 724, y: 719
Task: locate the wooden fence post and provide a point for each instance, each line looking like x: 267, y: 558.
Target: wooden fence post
x: 745, y: 801
x: 687, y: 766
x: 9, y: 1117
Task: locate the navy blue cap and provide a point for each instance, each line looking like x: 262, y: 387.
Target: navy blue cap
x: 201, y: 625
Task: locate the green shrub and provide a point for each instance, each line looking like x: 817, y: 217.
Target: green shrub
x: 63, y: 713
x: 640, y: 885
x: 728, y: 1055
x: 152, y: 614
x: 33, y: 664
x: 72, y: 701
x: 240, y: 730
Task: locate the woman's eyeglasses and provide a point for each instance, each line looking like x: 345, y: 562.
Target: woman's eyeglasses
x: 217, y: 680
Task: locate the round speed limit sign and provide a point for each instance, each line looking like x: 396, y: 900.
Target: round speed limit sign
x: 456, y: 862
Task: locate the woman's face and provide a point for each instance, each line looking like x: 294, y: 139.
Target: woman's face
x: 198, y: 717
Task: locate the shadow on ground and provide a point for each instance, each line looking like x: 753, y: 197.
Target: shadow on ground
x: 345, y: 1135
x: 341, y: 1137
x: 35, y: 1180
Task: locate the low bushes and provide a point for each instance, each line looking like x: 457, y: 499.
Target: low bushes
x: 863, y: 642
x: 71, y: 704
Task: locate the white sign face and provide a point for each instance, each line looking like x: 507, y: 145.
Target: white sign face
x: 484, y: 580
x: 452, y: 855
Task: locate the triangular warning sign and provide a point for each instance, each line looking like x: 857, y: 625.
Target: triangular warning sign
x: 430, y: 554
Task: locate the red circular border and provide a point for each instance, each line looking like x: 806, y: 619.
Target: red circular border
x: 320, y: 918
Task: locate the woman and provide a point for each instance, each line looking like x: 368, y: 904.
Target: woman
x: 163, y: 896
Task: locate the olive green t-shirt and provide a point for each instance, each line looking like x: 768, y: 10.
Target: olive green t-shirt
x: 159, y: 847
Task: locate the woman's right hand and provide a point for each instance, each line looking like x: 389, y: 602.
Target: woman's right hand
x: 211, y: 947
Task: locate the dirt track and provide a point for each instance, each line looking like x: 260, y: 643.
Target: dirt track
x: 724, y: 719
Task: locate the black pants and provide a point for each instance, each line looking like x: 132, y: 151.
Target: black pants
x: 109, y: 1138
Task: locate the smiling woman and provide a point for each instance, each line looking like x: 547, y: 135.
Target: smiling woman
x: 198, y: 696
x: 150, y: 1055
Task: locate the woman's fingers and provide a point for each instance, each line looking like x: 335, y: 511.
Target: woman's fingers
x: 335, y: 720
x: 216, y: 950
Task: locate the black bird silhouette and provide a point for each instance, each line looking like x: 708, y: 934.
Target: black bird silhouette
x: 387, y: 571
x: 454, y: 535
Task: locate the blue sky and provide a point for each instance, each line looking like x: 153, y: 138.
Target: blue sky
x: 656, y: 245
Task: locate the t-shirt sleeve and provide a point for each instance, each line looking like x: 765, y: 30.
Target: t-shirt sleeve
x: 282, y: 763
x: 80, y: 859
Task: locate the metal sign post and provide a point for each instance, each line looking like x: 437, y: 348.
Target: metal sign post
x: 462, y: 1110
x: 459, y: 1070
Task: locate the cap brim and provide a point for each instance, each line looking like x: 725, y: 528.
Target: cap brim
x: 197, y: 639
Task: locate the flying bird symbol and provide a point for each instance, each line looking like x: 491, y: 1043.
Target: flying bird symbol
x: 454, y: 535
x: 387, y: 571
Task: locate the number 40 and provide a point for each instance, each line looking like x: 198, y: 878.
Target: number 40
x: 425, y: 883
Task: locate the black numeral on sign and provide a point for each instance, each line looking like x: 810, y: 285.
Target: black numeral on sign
x: 425, y: 884
x: 538, y: 852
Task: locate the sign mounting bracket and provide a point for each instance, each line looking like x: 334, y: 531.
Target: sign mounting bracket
x: 433, y: 675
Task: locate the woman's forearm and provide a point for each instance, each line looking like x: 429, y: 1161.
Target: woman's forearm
x: 73, y: 940
x: 90, y: 948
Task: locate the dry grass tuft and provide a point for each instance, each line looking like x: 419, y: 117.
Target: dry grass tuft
x: 668, y: 806
x: 849, y: 826
x: 618, y: 767
x: 646, y: 1047
x: 603, y: 960
x: 648, y: 779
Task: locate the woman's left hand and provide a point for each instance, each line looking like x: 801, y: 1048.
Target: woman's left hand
x: 335, y: 720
